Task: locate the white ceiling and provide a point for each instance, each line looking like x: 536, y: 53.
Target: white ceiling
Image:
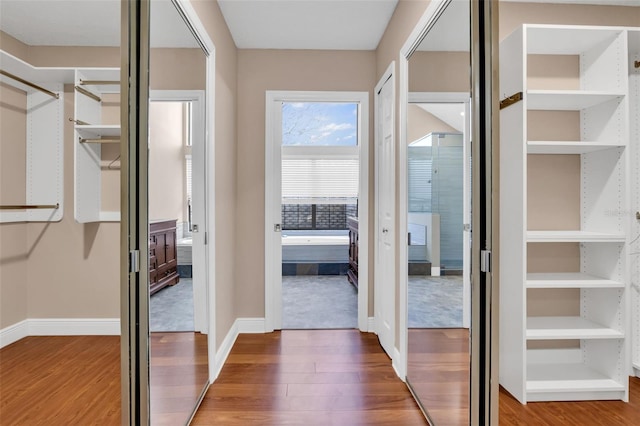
x: 307, y: 24
x: 451, y: 32
x: 86, y: 23
x: 268, y: 24
x: 450, y: 113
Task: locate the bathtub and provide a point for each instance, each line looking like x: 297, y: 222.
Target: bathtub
x: 184, y: 250
x: 319, y: 248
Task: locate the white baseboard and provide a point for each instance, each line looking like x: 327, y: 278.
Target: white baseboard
x: 372, y: 325
x: 59, y: 327
x: 396, y: 363
x: 240, y: 326
x: 13, y: 333
x: 250, y: 325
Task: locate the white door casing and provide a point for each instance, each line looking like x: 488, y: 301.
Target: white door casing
x: 384, y: 288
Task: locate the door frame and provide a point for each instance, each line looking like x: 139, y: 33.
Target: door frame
x: 273, y: 201
x: 200, y: 213
x: 485, y: 134
x: 457, y: 98
x: 134, y: 233
x: 387, y: 76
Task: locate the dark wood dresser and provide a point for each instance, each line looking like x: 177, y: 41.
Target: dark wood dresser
x: 163, y: 256
x: 352, y: 272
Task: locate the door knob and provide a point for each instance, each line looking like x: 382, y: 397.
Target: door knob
x: 385, y: 230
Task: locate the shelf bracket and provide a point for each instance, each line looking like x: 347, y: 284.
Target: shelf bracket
x: 515, y: 98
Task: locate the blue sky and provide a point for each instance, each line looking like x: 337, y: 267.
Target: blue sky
x: 319, y: 123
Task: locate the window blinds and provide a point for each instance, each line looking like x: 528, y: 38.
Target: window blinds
x: 319, y: 180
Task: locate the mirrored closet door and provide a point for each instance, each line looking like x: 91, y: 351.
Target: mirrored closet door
x: 166, y: 215
x: 448, y: 355
x: 178, y: 368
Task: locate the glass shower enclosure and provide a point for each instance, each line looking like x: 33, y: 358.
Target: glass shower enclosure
x: 436, y: 217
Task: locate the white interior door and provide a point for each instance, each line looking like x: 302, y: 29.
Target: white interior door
x: 385, y: 229
x: 199, y: 223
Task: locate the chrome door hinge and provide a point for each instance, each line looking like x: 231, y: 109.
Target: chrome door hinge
x: 206, y: 238
x: 134, y: 261
x: 485, y: 261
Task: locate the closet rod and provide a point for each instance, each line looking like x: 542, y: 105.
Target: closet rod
x: 30, y: 206
x: 106, y: 139
x: 99, y: 82
x: 30, y: 84
x: 79, y: 122
x: 88, y: 93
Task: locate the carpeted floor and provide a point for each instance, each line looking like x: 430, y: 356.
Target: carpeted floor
x: 318, y: 302
x: 171, y: 309
x: 435, y: 302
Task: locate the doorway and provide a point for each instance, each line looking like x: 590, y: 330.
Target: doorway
x: 177, y: 190
x: 316, y: 180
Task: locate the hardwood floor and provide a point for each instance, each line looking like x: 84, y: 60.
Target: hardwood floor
x: 178, y: 375
x: 592, y: 413
x: 438, y: 372
x: 70, y: 380
x: 318, y: 377
x: 308, y: 377
x: 75, y: 380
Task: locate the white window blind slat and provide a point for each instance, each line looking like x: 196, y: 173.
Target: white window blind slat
x: 319, y: 180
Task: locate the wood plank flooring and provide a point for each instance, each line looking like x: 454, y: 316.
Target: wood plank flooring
x: 438, y: 372
x: 308, y: 377
x: 54, y: 380
x: 592, y: 413
x: 327, y: 377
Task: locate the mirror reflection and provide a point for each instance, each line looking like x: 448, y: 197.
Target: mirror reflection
x: 177, y: 277
x: 439, y: 214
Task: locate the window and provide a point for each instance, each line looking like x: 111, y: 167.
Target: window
x: 320, y: 164
x: 319, y: 124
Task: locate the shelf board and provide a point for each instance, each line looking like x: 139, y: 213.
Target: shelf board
x: 554, y: 328
x: 565, y: 147
x: 569, y: 280
x: 573, y: 236
x: 565, y: 377
x: 568, y: 100
x: 96, y: 131
x: 37, y: 75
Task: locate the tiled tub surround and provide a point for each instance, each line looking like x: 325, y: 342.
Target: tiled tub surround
x: 315, y: 252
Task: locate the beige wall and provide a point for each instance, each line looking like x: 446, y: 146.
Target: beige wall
x: 279, y: 70
x: 73, y: 269
x: 421, y: 123
x: 226, y: 309
x: 440, y: 72
x: 167, y: 191
x: 13, y: 236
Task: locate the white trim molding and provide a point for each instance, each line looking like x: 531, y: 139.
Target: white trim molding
x: 59, y: 327
x: 240, y: 326
x: 273, y: 259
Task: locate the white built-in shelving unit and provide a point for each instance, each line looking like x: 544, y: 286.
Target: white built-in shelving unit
x: 634, y: 247
x: 90, y: 136
x: 44, y: 198
x: 577, y: 356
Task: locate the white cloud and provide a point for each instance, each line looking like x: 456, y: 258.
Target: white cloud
x: 334, y: 127
x: 297, y: 105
